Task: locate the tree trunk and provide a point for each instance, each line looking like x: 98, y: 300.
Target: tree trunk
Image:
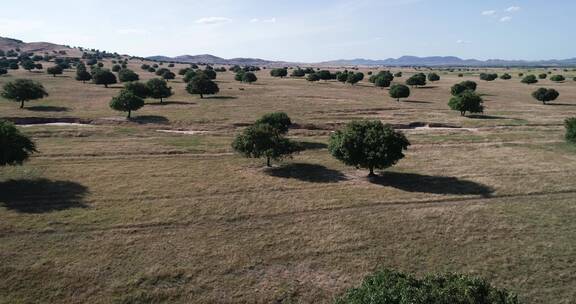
x: 21, y: 104
x: 398, y: 99
x: 161, y: 101
x: 371, y: 174
x: 106, y: 85
x: 129, y: 112
x: 201, y: 96
x: 268, y: 162
x: 462, y: 113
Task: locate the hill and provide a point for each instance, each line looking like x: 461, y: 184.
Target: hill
x: 211, y: 59
x: 445, y: 61
x: 36, y: 47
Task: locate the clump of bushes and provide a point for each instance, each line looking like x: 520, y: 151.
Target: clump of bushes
x: 570, y: 125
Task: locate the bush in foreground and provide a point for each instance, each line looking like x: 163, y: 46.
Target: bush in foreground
x: 392, y: 287
x: 15, y: 147
x: 22, y: 90
x: 368, y: 144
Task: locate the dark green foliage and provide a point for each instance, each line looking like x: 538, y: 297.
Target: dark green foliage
x: 416, y: 80
x: 152, y: 70
x: 557, y: 78
x: 398, y: 91
x: 279, y: 73
x: 263, y: 140
x: 298, y: 73
x: 543, y: 76
x: 22, y: 90
x: 55, y: 70
x: 83, y: 75
x: 202, y: 85
x: 171, y: 65
x: 168, y: 75
x: 313, y: 77
x: 116, y: 68
x: 3, y: 71
x: 368, y: 144
x: 381, y: 82
x: 506, y: 76
x: 570, y: 125
x: 433, y: 77
x: 324, y: 75
x: 190, y: 75
x: 391, y: 287
x: 145, y: 66
x: 398, y: 74
x: 529, y: 79
x: 520, y: 74
x: 342, y: 77
x: 544, y: 95
x: 137, y: 88
x: 28, y: 65
x: 463, y: 86
x: 354, y: 78
x: 249, y: 77
x: 15, y: 147
x: 488, y: 76
x: 103, y: 76
x: 208, y: 73
x: 161, y: 71
x: 239, y: 75
x: 126, y: 101
x: 467, y: 101
x: 126, y: 75
x: 277, y: 120
x: 13, y: 66
x: 158, y: 89
x: 183, y: 71
x: 460, y: 75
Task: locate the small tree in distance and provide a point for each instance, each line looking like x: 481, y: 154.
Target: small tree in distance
x: 463, y: 86
x: 55, y: 70
x: 432, y: 77
x: 22, y: 90
x: 126, y: 101
x: 313, y: 77
x: 263, y: 140
x: 158, y: 89
x: 398, y: 91
x: 544, y: 95
x: 103, y: 76
x: 249, y: 77
x: 557, y: 78
x: 203, y: 86
x: 466, y: 102
x: 529, y: 79
x: 570, y: 125
x: 368, y: 144
x: 137, y: 88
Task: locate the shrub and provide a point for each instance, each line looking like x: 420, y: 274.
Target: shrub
x: 545, y: 95
x: 15, y: 147
x: 506, y: 76
x: 466, y: 102
x: 530, y: 79
x: 3, y: 71
x: 298, y: 73
x: 116, y: 68
x: 190, y: 75
x: 279, y: 73
x: 55, y: 70
x: 557, y: 78
x: 127, y: 75
x: 488, y: 76
x: 432, y: 77
x: 354, y: 78
x: 126, y: 101
x: 277, y: 120
x: 392, y: 287
x: 368, y: 144
x: 543, y: 76
x: 168, y: 75
x: 324, y: 75
x: 398, y: 91
x: 313, y: 77
x: 570, y: 125
x: 463, y: 86
x: 22, y: 90
x: 249, y: 77
x: 416, y: 80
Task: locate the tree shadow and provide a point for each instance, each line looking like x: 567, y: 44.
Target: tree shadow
x: 41, y: 195
x: 415, y: 101
x: 307, y: 172
x: 47, y: 109
x: 165, y: 103
x: 220, y: 97
x: 426, y: 87
x: 561, y: 104
x: 477, y: 116
x: 309, y: 145
x: 411, y: 182
x: 150, y: 119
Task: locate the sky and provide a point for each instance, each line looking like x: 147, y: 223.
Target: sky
x: 302, y: 30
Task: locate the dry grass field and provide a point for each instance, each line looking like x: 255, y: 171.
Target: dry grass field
x: 118, y: 212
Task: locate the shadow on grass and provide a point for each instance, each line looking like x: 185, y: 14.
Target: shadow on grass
x: 41, y: 195
x: 150, y: 119
x: 411, y: 182
x: 477, y: 116
x: 47, y: 109
x: 308, y: 145
x: 561, y: 104
x: 165, y: 103
x: 415, y: 101
x: 307, y: 172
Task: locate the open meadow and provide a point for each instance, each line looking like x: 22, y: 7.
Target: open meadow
x: 159, y: 208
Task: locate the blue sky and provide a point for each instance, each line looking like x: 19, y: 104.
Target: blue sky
x: 302, y: 30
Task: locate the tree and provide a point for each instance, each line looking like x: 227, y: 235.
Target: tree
x: 137, y: 88
x: 3, y: 71
x: 324, y: 75
x: 506, y: 76
x: 168, y: 75
x: 570, y: 125
x: 432, y: 77
x: 22, y: 90
x: 263, y: 140
x: 279, y: 73
x: 103, y: 76
x: 529, y: 79
x: 239, y: 75
x: 126, y: 101
x: 463, y: 86
x: 488, y: 76
x: 467, y: 102
x: 249, y: 77
x: 342, y: 77
x: 277, y: 120
x: 416, y: 80
x: 557, y: 78
x: 15, y: 147
x: 145, y: 66
x: 398, y: 74
x: 55, y: 70
x: 83, y: 75
x: 382, y: 82
x: 313, y: 77
x: 126, y: 75
x: 392, y: 287
x: 208, y: 73
x: 298, y: 73
x: 368, y: 144
x: 354, y: 78
x: 398, y: 91
x: 158, y: 89
x: 116, y: 68
x: 543, y: 76
x: 544, y: 95
x: 190, y: 75
x: 28, y: 65
x: 203, y: 86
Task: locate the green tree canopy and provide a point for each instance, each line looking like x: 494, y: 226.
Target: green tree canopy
x: 55, y: 70
x: 22, y: 90
x: 529, y: 79
x: 263, y: 140
x: 432, y: 77
x: 203, y: 86
x: 137, y: 88
x: 570, y: 125
x: 126, y: 101
x: 462, y: 87
x: 103, y: 76
x: 189, y: 75
x: 544, y: 95
x: 368, y: 144
x: 277, y: 120
x: 488, y: 76
x: 466, y: 102
x: 279, y: 73
x: 15, y: 147
x: 249, y: 77
x: 158, y: 89
x: 557, y: 78
x: 506, y: 76
x: 398, y: 91
x: 126, y: 75
x: 312, y: 77
x: 416, y: 80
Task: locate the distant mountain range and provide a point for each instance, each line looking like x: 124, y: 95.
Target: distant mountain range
x: 211, y: 59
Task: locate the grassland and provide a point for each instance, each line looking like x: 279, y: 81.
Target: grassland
x: 118, y: 212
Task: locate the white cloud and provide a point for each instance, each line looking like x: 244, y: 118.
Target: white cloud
x: 269, y: 20
x: 513, y: 9
x: 213, y: 20
x: 130, y: 31
x: 254, y: 20
x: 505, y: 19
x: 463, y: 41
x: 489, y: 13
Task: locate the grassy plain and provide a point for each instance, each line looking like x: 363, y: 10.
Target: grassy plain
x: 118, y: 212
